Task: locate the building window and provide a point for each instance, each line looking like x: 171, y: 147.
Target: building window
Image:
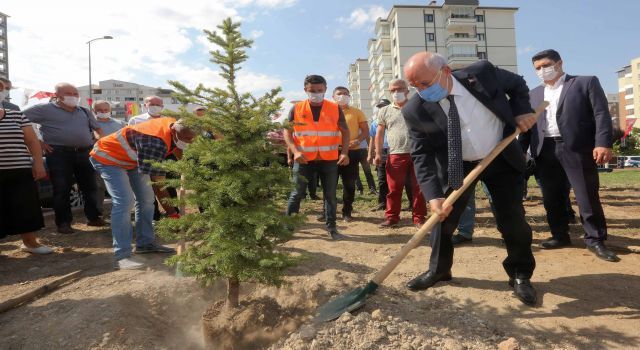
x: 461, y: 35
x: 479, y: 18
x: 482, y: 55
x: 431, y: 37
x: 117, y: 98
x: 629, y: 91
x: 629, y: 111
x: 481, y: 37
x: 428, y: 18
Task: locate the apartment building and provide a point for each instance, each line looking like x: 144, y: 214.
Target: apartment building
x: 359, y: 83
x: 461, y: 30
x: 629, y: 93
x: 4, y: 47
x: 119, y: 93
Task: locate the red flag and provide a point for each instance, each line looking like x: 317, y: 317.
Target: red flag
x: 90, y: 102
x: 630, y: 122
x: 42, y: 94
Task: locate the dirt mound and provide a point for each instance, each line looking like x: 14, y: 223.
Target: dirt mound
x: 375, y: 331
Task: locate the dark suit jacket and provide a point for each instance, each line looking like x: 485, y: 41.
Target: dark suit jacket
x: 583, y: 117
x: 427, y: 122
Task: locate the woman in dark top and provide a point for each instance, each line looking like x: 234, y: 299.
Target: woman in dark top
x: 21, y: 165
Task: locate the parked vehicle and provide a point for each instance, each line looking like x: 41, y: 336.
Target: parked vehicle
x: 632, y: 161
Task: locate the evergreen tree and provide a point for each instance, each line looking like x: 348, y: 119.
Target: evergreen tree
x: 235, y: 179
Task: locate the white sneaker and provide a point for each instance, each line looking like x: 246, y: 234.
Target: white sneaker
x: 127, y: 264
x: 41, y: 250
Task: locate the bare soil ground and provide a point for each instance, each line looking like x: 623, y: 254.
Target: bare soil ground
x: 585, y: 303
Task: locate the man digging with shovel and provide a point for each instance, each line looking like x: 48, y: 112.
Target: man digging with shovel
x: 455, y: 120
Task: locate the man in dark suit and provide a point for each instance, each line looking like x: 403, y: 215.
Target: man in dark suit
x: 571, y: 137
x: 454, y: 121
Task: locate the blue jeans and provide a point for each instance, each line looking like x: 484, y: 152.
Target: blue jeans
x: 468, y: 217
x: 327, y: 171
x: 127, y: 187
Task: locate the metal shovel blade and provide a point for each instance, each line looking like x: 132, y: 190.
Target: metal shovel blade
x: 345, y: 303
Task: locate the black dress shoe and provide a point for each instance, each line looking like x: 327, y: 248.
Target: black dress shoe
x: 427, y: 280
x: 555, y: 243
x: 459, y: 239
x: 523, y: 289
x: 603, y: 252
x: 314, y: 197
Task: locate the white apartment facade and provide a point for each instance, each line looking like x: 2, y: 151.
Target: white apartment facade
x: 359, y: 86
x: 629, y: 92
x: 4, y: 47
x: 461, y: 30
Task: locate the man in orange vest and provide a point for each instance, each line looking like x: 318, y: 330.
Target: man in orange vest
x: 123, y: 161
x: 319, y: 130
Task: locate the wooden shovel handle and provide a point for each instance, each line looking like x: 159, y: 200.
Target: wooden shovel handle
x: 434, y: 219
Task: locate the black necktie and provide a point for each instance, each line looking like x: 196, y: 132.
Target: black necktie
x: 454, y: 146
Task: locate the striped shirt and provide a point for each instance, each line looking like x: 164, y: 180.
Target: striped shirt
x: 14, y: 153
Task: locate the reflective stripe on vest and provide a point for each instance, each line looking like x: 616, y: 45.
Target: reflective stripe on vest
x: 127, y: 148
x: 316, y: 133
x: 100, y: 153
x: 317, y: 148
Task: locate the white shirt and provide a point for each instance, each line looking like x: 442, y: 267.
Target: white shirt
x: 142, y: 118
x: 552, y: 94
x: 480, y: 129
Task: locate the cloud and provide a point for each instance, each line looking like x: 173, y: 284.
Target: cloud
x: 525, y: 50
x: 255, y: 34
x: 153, y: 41
x: 364, y: 17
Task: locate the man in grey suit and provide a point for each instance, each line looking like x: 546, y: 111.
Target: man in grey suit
x: 570, y: 138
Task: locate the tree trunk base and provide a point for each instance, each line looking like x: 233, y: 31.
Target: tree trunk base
x: 255, y: 324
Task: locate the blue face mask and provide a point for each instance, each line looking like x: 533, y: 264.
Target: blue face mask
x: 435, y: 92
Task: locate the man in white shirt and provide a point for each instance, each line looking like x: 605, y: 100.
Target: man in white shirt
x: 455, y: 120
x: 570, y: 139
x: 154, y: 106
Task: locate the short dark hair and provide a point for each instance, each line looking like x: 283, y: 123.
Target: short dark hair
x: 550, y: 53
x: 314, y: 79
x: 341, y: 88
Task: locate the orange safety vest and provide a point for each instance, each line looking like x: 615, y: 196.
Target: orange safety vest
x: 115, y: 149
x: 319, y: 139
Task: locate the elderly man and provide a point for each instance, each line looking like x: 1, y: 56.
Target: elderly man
x: 5, y: 95
x: 571, y: 137
x: 455, y: 120
x: 399, y: 165
x: 102, y: 110
x: 123, y: 160
x: 154, y: 106
x: 319, y: 129
x: 67, y: 137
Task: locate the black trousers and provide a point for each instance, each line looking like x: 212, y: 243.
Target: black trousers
x: 554, y: 167
x: 348, y: 173
x: 66, y: 164
x: 505, y: 186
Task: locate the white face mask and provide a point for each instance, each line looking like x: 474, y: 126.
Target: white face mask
x: 103, y: 115
x: 181, y: 144
x: 70, y: 101
x: 547, y: 73
x: 316, y: 97
x: 343, y: 100
x: 398, y: 97
x: 154, y: 110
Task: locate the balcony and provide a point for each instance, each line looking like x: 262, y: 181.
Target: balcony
x: 453, y: 39
x: 456, y: 22
x: 459, y: 60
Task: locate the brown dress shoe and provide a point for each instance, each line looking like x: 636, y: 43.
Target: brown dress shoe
x: 65, y: 229
x: 389, y: 223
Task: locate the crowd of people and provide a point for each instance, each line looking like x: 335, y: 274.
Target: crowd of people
x: 422, y: 144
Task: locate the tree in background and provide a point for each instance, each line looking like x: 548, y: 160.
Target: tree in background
x: 234, y: 179
x: 631, y: 144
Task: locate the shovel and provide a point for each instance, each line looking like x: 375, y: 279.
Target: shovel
x: 356, y: 298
